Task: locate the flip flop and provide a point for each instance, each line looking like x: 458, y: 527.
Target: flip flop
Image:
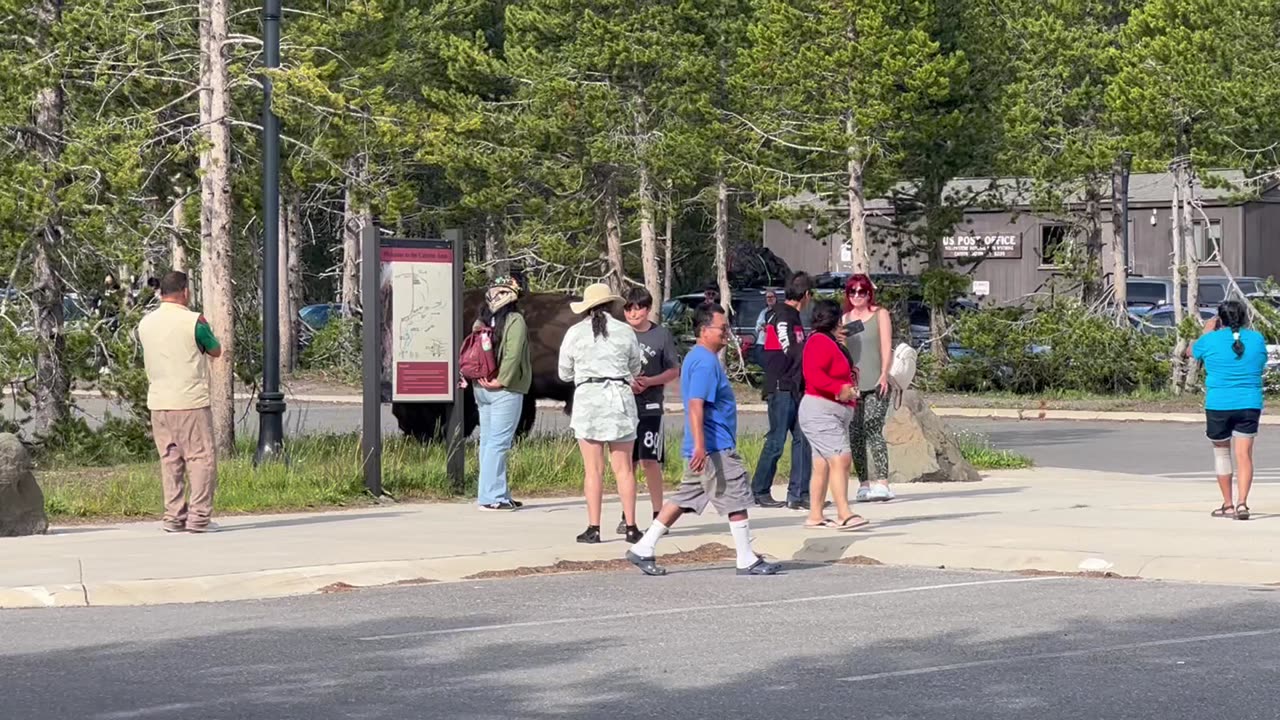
x: 824, y: 525
x: 853, y: 522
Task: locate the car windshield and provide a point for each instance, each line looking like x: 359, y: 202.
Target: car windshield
x: 1146, y: 292
x: 1249, y: 287
x: 746, y: 311
x: 1211, y: 293
x: 315, y: 316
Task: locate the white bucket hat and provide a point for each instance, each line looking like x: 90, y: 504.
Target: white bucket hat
x: 595, y: 296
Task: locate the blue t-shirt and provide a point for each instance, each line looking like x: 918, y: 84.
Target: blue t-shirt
x: 703, y: 377
x: 1232, y: 383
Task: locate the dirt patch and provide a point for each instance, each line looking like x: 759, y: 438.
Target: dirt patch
x: 701, y: 555
x: 1104, y: 575
x: 338, y: 587
x: 412, y: 581
x: 342, y: 587
x: 858, y: 560
x: 316, y: 384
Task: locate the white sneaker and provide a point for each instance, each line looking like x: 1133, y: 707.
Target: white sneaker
x: 881, y: 493
x: 863, y: 494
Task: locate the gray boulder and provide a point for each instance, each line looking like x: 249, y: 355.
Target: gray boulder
x: 21, y: 502
x: 921, y: 449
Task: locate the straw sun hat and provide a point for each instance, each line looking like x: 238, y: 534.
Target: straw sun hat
x: 593, y: 297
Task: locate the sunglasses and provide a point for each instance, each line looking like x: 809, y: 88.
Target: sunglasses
x: 859, y: 291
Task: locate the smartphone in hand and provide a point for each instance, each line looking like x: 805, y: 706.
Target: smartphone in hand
x: 854, y: 327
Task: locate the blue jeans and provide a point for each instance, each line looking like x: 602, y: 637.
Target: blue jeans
x: 499, y: 415
x: 784, y: 412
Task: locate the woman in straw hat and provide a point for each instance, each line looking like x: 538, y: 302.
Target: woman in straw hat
x: 601, y: 357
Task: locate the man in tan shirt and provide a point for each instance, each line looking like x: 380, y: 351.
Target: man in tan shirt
x: 175, y: 344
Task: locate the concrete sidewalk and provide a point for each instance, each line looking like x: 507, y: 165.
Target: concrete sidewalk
x: 1042, y: 519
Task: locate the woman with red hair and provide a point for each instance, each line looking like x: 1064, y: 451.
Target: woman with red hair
x: 871, y: 352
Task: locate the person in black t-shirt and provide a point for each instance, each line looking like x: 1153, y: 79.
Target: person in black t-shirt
x: 783, y: 388
x: 661, y: 366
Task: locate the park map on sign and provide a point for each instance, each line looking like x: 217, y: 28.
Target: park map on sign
x: 421, y: 320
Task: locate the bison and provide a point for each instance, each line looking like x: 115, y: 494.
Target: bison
x: 549, y: 318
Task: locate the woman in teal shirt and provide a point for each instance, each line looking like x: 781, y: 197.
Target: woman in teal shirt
x: 1234, y: 359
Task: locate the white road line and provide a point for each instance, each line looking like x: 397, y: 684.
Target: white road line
x: 704, y: 608
x: 1060, y: 655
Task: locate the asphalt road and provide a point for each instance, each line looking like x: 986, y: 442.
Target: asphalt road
x: 1176, y: 450
x: 838, y: 641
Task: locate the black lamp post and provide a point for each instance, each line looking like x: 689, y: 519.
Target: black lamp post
x: 271, y: 403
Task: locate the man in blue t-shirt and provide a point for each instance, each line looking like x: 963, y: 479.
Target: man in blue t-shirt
x: 714, y: 473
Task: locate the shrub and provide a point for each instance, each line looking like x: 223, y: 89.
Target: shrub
x: 1061, y: 346
x: 335, y: 349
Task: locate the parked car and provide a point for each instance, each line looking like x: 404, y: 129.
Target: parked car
x: 1159, y: 321
x: 1146, y: 293
x: 74, y: 310
x: 313, y: 318
x: 747, y: 304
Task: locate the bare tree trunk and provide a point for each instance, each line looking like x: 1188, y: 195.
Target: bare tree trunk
x: 353, y: 220
x: 1091, y: 291
x: 287, y: 268
x: 1119, y: 263
x: 1180, y: 348
x: 216, y: 251
x: 52, y: 382
x: 177, y: 234
x: 649, y: 239
x: 495, y: 247
x: 722, y: 243
x: 667, y: 277
x: 617, y: 277
x: 857, y: 213
x: 1192, y: 256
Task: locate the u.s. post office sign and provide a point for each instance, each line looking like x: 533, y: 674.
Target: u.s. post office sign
x: 995, y: 246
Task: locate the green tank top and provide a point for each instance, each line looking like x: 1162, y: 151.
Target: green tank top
x: 864, y: 349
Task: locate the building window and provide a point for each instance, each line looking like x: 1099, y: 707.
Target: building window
x: 1051, y: 238
x: 1208, y: 244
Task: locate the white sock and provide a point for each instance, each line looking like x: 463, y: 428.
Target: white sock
x: 741, y: 530
x: 648, y: 545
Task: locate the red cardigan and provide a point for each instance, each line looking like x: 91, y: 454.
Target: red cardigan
x: 826, y: 368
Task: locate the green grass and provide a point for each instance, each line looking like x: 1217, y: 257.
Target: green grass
x: 983, y: 456
x: 324, y: 472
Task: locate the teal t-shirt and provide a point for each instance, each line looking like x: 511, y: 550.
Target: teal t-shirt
x: 1232, y: 383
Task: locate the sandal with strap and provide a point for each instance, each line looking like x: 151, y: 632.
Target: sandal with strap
x: 1226, y: 511
x: 1242, y: 512
x: 853, y: 522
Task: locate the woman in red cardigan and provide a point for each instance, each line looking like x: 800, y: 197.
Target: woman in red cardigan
x: 830, y: 395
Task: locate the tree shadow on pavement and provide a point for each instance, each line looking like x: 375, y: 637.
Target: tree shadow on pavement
x: 229, y: 525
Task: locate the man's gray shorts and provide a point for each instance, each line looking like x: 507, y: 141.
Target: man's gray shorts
x: 723, y: 483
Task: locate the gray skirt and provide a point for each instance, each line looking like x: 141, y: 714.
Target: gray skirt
x: 825, y: 425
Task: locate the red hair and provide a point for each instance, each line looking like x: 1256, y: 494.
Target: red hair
x: 859, y: 281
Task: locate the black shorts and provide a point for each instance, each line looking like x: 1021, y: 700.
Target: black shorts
x: 1222, y: 424
x: 650, y: 442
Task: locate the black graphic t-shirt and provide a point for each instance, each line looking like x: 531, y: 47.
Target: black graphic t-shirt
x: 659, y: 350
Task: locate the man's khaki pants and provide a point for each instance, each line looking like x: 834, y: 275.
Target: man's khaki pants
x: 187, y: 455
